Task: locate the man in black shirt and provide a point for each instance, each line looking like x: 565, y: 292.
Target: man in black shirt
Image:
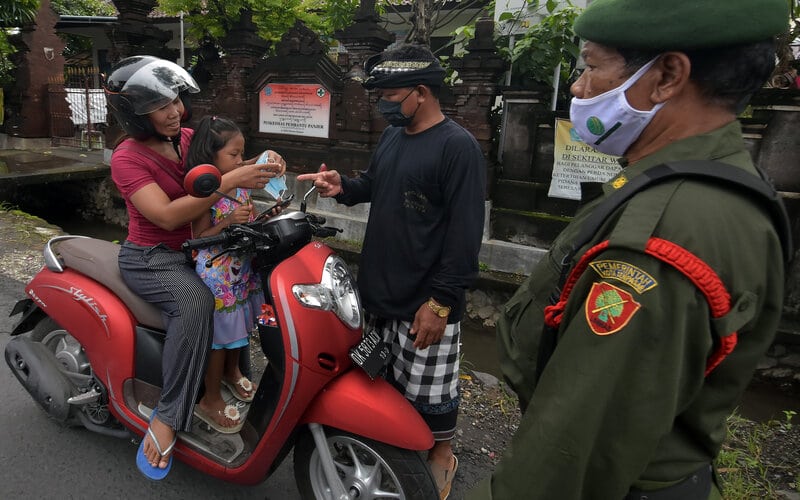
x: 426, y: 182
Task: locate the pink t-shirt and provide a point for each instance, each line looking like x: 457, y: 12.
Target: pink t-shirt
x: 134, y: 166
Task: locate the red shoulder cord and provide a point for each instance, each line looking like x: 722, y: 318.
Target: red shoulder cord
x: 694, y: 268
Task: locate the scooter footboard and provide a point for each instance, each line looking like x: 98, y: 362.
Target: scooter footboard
x: 370, y: 408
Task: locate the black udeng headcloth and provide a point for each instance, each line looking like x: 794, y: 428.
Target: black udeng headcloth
x: 401, y: 74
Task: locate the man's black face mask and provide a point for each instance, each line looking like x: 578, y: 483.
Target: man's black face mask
x: 392, y: 113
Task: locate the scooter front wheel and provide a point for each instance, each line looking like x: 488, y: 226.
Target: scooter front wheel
x: 367, y: 469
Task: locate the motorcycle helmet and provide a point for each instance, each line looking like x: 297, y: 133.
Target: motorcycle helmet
x: 139, y: 85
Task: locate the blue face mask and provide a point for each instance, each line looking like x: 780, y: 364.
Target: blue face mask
x: 276, y: 187
x: 392, y: 113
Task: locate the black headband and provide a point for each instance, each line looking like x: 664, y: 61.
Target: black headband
x: 400, y: 74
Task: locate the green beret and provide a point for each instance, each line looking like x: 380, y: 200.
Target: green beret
x: 681, y: 24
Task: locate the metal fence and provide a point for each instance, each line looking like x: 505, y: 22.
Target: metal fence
x: 77, y: 108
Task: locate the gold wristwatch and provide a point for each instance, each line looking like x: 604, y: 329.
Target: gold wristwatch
x: 440, y: 310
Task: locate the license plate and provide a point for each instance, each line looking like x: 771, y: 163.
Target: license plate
x: 371, y: 354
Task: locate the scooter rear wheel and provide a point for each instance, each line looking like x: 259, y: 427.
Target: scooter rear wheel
x: 70, y: 355
x: 64, y: 347
x: 368, y: 469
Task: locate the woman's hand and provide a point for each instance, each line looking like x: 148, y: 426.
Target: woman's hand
x: 275, y: 162
x: 249, y: 177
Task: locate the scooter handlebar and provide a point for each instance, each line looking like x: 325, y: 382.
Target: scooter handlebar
x: 222, y: 238
x: 244, y: 236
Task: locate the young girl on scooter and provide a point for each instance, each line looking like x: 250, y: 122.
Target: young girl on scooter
x: 148, y: 97
x: 230, y: 277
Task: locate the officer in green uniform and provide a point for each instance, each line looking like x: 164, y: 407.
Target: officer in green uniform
x: 622, y: 406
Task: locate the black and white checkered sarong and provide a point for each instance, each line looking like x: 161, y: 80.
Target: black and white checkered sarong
x: 426, y: 377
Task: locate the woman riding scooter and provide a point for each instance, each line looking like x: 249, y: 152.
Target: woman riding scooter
x: 148, y: 97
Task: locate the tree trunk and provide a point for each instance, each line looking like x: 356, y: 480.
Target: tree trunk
x: 422, y: 23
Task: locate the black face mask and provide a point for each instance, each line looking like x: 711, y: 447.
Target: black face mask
x: 392, y: 113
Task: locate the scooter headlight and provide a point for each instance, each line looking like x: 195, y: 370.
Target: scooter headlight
x: 336, y: 292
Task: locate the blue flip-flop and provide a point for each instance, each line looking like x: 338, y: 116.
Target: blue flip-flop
x: 154, y: 473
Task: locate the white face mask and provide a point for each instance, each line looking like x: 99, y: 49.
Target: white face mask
x: 607, y: 122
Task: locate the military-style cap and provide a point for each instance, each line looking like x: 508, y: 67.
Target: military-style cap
x: 681, y: 24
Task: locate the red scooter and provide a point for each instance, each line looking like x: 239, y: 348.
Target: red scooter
x: 93, y: 358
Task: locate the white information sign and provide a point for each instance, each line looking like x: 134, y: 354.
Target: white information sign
x: 575, y: 162
x: 294, y: 109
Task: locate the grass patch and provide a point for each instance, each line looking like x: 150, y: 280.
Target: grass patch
x: 743, y: 463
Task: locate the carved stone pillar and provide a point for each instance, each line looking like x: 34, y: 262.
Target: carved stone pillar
x: 364, y: 37
x: 479, y: 73
x: 134, y: 34
x: 39, y: 58
x: 223, y: 80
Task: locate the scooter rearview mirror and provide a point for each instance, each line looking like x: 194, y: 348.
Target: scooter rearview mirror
x: 202, y: 181
x: 305, y: 197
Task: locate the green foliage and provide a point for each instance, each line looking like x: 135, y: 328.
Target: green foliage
x: 785, y: 58
x: 742, y: 464
x: 213, y: 19
x: 76, y: 44
x: 507, y: 400
x: 13, y: 14
x: 461, y: 36
x: 788, y: 415
x: 83, y: 8
x: 17, y: 12
x: 336, y: 14
x: 535, y: 55
x: 6, y: 66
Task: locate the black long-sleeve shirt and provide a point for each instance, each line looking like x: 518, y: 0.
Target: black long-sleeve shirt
x: 425, y: 223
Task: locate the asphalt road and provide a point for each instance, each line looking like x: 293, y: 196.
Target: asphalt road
x: 40, y: 459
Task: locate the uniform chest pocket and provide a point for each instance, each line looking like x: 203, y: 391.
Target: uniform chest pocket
x: 556, y: 256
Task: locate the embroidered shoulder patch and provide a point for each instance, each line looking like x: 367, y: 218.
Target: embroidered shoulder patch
x: 626, y: 273
x: 619, y: 181
x: 608, y: 308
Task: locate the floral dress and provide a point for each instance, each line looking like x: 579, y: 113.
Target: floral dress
x: 234, y: 283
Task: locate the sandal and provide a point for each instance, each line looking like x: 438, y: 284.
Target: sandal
x: 230, y: 412
x: 155, y: 473
x: 244, y: 384
x: 444, y: 478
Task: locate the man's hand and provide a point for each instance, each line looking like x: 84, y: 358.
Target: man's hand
x: 327, y: 182
x: 427, y: 326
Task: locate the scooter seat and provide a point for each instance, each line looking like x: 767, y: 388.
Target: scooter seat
x: 98, y: 260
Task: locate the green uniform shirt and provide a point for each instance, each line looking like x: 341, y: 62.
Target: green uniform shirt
x: 629, y: 405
